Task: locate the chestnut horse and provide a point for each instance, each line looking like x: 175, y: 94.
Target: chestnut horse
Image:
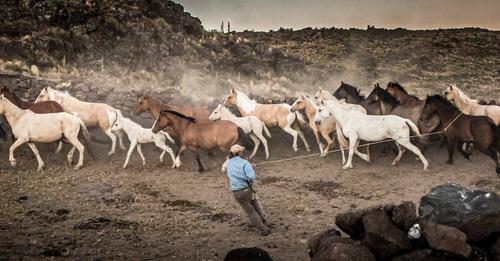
x: 480, y: 130
x: 195, y: 134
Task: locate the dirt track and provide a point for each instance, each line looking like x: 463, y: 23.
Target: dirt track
x: 153, y: 212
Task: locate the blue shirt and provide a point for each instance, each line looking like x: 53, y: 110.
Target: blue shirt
x: 240, y: 173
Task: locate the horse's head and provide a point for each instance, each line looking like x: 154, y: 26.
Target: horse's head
x: 392, y: 88
x: 449, y: 93
x: 430, y: 107
x: 374, y: 97
x: 323, y: 112
x: 231, y: 99
x: 216, y: 114
x: 141, y: 106
x: 118, y: 125
x: 47, y: 94
x: 322, y: 95
x: 299, y: 104
x: 2, y: 104
x: 348, y: 92
x: 168, y: 118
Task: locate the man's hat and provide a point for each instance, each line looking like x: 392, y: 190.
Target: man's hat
x: 236, y: 148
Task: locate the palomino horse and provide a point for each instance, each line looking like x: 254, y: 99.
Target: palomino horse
x: 464, y: 128
x: 352, y: 94
x: 30, y: 127
x: 251, y: 125
x: 271, y: 114
x: 360, y: 126
x: 203, y: 134
x: 471, y: 107
x: 139, y: 135
x: 41, y: 107
x: 92, y: 114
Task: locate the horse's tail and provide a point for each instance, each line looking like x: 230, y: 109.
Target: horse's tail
x: 415, y: 130
x: 300, y: 118
x: 243, y: 139
x: 167, y: 136
x: 264, y: 127
x: 84, y: 133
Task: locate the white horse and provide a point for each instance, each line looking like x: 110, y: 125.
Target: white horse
x: 359, y: 126
x: 471, y: 107
x: 29, y: 127
x: 271, y: 114
x: 251, y: 125
x: 92, y: 114
x: 139, y: 135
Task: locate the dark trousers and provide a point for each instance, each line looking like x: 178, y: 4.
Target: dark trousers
x: 248, y: 201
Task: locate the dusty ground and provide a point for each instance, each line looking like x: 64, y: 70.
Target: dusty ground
x: 153, y: 212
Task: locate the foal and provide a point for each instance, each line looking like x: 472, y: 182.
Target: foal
x: 251, y: 125
x: 464, y: 128
x: 139, y: 135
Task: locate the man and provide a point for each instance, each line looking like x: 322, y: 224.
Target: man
x: 241, y: 176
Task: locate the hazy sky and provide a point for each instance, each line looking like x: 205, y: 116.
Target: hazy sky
x: 413, y: 14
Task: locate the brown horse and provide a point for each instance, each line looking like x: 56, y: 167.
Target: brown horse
x: 154, y: 106
x: 401, y: 95
x: 39, y: 107
x: 198, y: 134
x: 459, y: 127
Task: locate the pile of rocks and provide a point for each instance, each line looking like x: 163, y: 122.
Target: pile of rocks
x: 453, y: 224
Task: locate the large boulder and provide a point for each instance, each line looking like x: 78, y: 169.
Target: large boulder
x: 384, y: 238
x: 404, y: 215
x: 448, y: 239
x: 330, y: 246
x: 415, y: 255
x: 351, y: 221
x: 248, y: 254
x: 495, y: 250
x: 476, y: 213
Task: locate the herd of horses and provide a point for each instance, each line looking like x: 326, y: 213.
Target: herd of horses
x: 383, y: 115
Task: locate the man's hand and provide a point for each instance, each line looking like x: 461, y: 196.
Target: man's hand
x: 253, y: 164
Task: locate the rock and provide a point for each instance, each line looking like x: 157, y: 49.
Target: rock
x: 404, y: 215
x: 249, y: 254
x: 335, y: 248
x: 476, y: 213
x: 448, y: 239
x: 322, y: 240
x: 495, y: 250
x: 382, y: 236
x: 415, y: 255
x: 351, y: 222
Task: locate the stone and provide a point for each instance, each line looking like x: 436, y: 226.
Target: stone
x: 415, y: 255
x: 250, y: 254
x: 384, y: 238
x: 495, y: 250
x: 448, y: 239
x: 476, y: 213
x: 404, y: 215
x: 342, y: 249
x: 351, y: 221
x: 322, y: 240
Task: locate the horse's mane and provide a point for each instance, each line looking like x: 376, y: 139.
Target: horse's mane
x: 180, y: 115
x: 353, y: 91
x: 400, y: 88
x: 462, y: 97
x: 442, y: 100
x: 65, y: 94
x: 386, y: 96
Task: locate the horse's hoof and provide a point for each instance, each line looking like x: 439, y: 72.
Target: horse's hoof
x: 295, y: 149
x: 124, y: 167
x: 40, y: 168
x: 111, y: 153
x: 77, y: 167
x: 13, y: 163
x: 143, y: 163
x: 347, y: 167
x: 201, y: 170
x: 449, y: 162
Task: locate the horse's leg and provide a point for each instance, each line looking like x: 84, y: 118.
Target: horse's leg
x: 119, y: 134
x: 365, y: 157
x: 59, y: 147
x: 451, y: 147
x: 407, y: 144
x: 70, y: 155
x: 165, y: 148
x: 112, y: 136
x: 352, y: 146
x: 197, y: 157
x: 81, y: 149
x: 262, y: 139
x: 295, y: 125
x: 181, y: 150
x: 131, y: 148
x: 140, y: 153
x: 37, y: 155
x: 401, y: 150
x: 329, y: 142
x: 314, y: 127
x: 256, y: 142
x: 294, y: 134
x: 12, y: 148
x: 462, y: 148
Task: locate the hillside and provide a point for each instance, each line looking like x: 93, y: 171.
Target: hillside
x: 144, y: 44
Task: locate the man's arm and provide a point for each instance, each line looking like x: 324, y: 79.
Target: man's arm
x: 249, y: 172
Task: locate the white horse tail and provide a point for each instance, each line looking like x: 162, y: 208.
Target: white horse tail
x: 264, y: 127
x: 300, y: 118
x: 86, y: 138
x: 415, y: 129
x: 167, y: 136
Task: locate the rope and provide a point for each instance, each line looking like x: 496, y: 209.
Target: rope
x: 460, y: 114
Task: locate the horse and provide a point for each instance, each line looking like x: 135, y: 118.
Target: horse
x: 271, y: 114
x: 30, y: 127
x: 360, y: 126
x: 198, y: 134
x: 479, y: 130
x: 154, y: 106
x: 92, y: 114
x: 139, y: 135
x: 251, y: 125
x: 41, y: 107
x: 352, y: 94
x: 470, y: 106
x: 402, y: 96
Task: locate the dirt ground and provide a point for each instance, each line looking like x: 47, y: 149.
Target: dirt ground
x: 152, y: 212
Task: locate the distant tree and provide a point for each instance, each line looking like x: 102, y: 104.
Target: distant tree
x: 222, y: 27
x: 228, y: 27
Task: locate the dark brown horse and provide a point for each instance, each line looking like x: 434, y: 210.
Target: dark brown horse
x: 154, y: 106
x: 39, y: 107
x: 459, y: 127
x: 195, y: 134
x: 352, y: 94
